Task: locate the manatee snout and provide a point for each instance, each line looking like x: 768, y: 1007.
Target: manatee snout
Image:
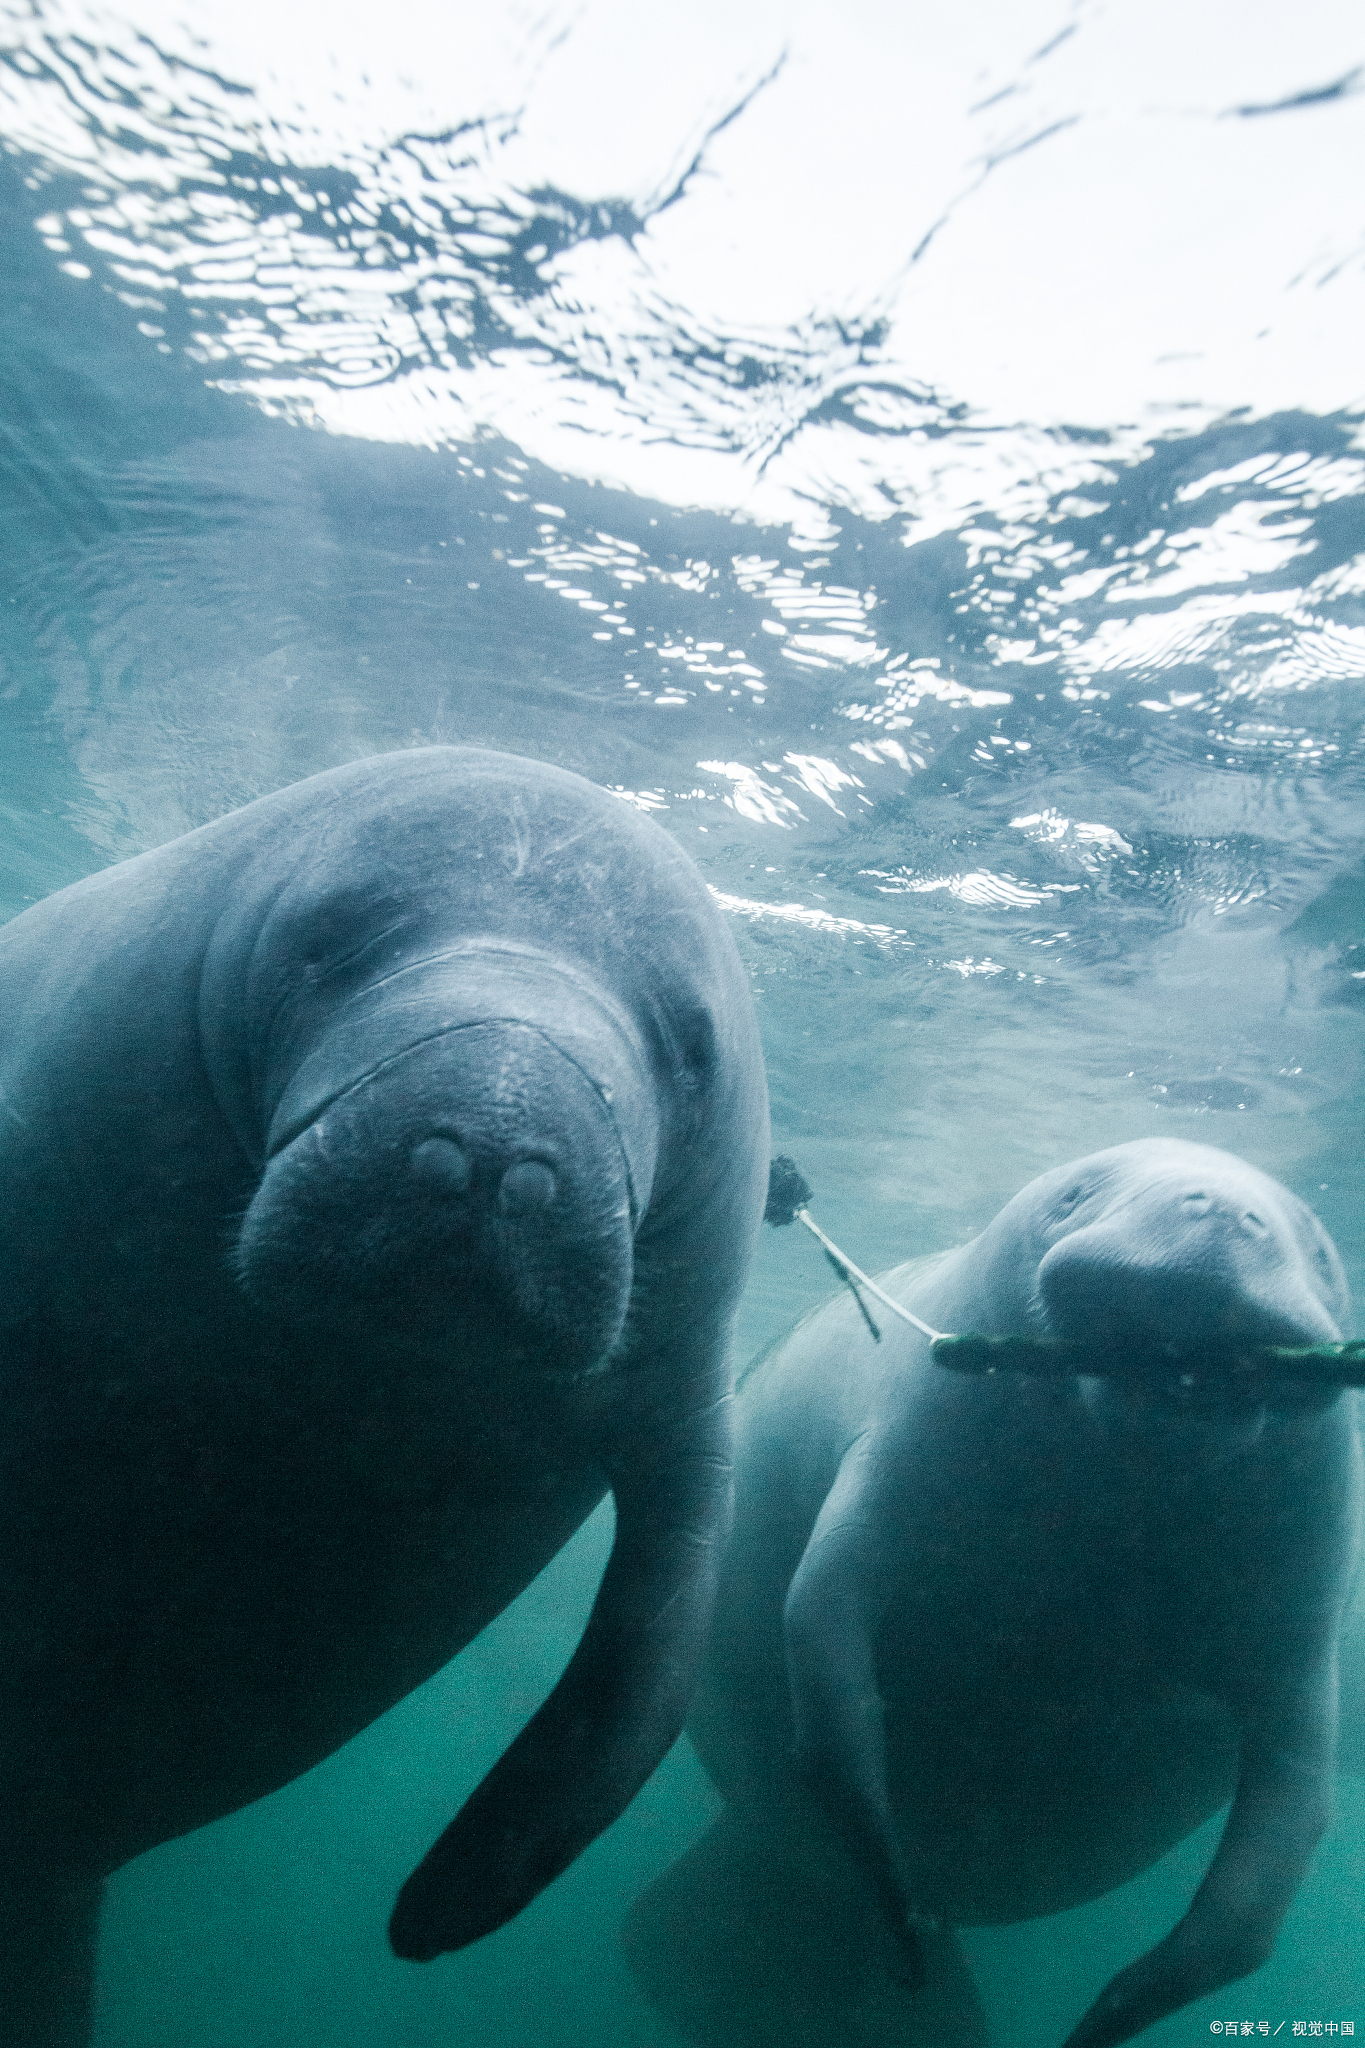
x: 476, y: 1181
x: 1197, y: 1262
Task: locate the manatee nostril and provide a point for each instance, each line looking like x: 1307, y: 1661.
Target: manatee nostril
x: 526, y: 1187
x: 1254, y: 1225
x: 1198, y: 1201
x: 443, y: 1164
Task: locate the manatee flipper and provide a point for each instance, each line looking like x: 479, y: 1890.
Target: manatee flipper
x: 833, y: 1608
x: 1282, y: 1805
x: 49, y: 1931
x: 621, y: 1701
x: 758, y: 1939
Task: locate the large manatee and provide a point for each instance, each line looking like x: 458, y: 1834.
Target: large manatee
x: 380, y: 1166
x: 986, y: 1648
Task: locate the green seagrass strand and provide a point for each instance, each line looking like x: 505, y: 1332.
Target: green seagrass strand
x: 1324, y: 1365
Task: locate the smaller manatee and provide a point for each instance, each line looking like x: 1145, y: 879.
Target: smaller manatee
x: 987, y: 1647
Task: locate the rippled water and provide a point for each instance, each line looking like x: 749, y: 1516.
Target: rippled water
x: 917, y: 455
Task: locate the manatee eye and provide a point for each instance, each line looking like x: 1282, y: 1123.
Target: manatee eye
x: 443, y: 1165
x: 526, y: 1187
x: 699, y: 1048
x: 1066, y: 1206
x: 685, y: 1045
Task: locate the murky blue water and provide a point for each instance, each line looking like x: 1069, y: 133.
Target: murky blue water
x: 919, y: 459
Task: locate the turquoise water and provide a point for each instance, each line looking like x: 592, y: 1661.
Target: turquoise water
x: 922, y: 464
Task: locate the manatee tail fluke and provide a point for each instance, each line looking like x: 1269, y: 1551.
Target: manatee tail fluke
x: 49, y: 1931
x: 742, y: 1945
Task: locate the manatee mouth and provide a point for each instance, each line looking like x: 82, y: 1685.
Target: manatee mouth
x: 1212, y: 1375
x: 1194, y: 1385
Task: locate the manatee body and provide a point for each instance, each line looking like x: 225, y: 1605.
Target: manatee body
x: 1351, y: 1743
x: 986, y: 1648
x: 380, y: 1168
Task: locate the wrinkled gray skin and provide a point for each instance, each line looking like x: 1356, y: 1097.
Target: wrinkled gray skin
x: 381, y: 1165
x: 1018, y: 1637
